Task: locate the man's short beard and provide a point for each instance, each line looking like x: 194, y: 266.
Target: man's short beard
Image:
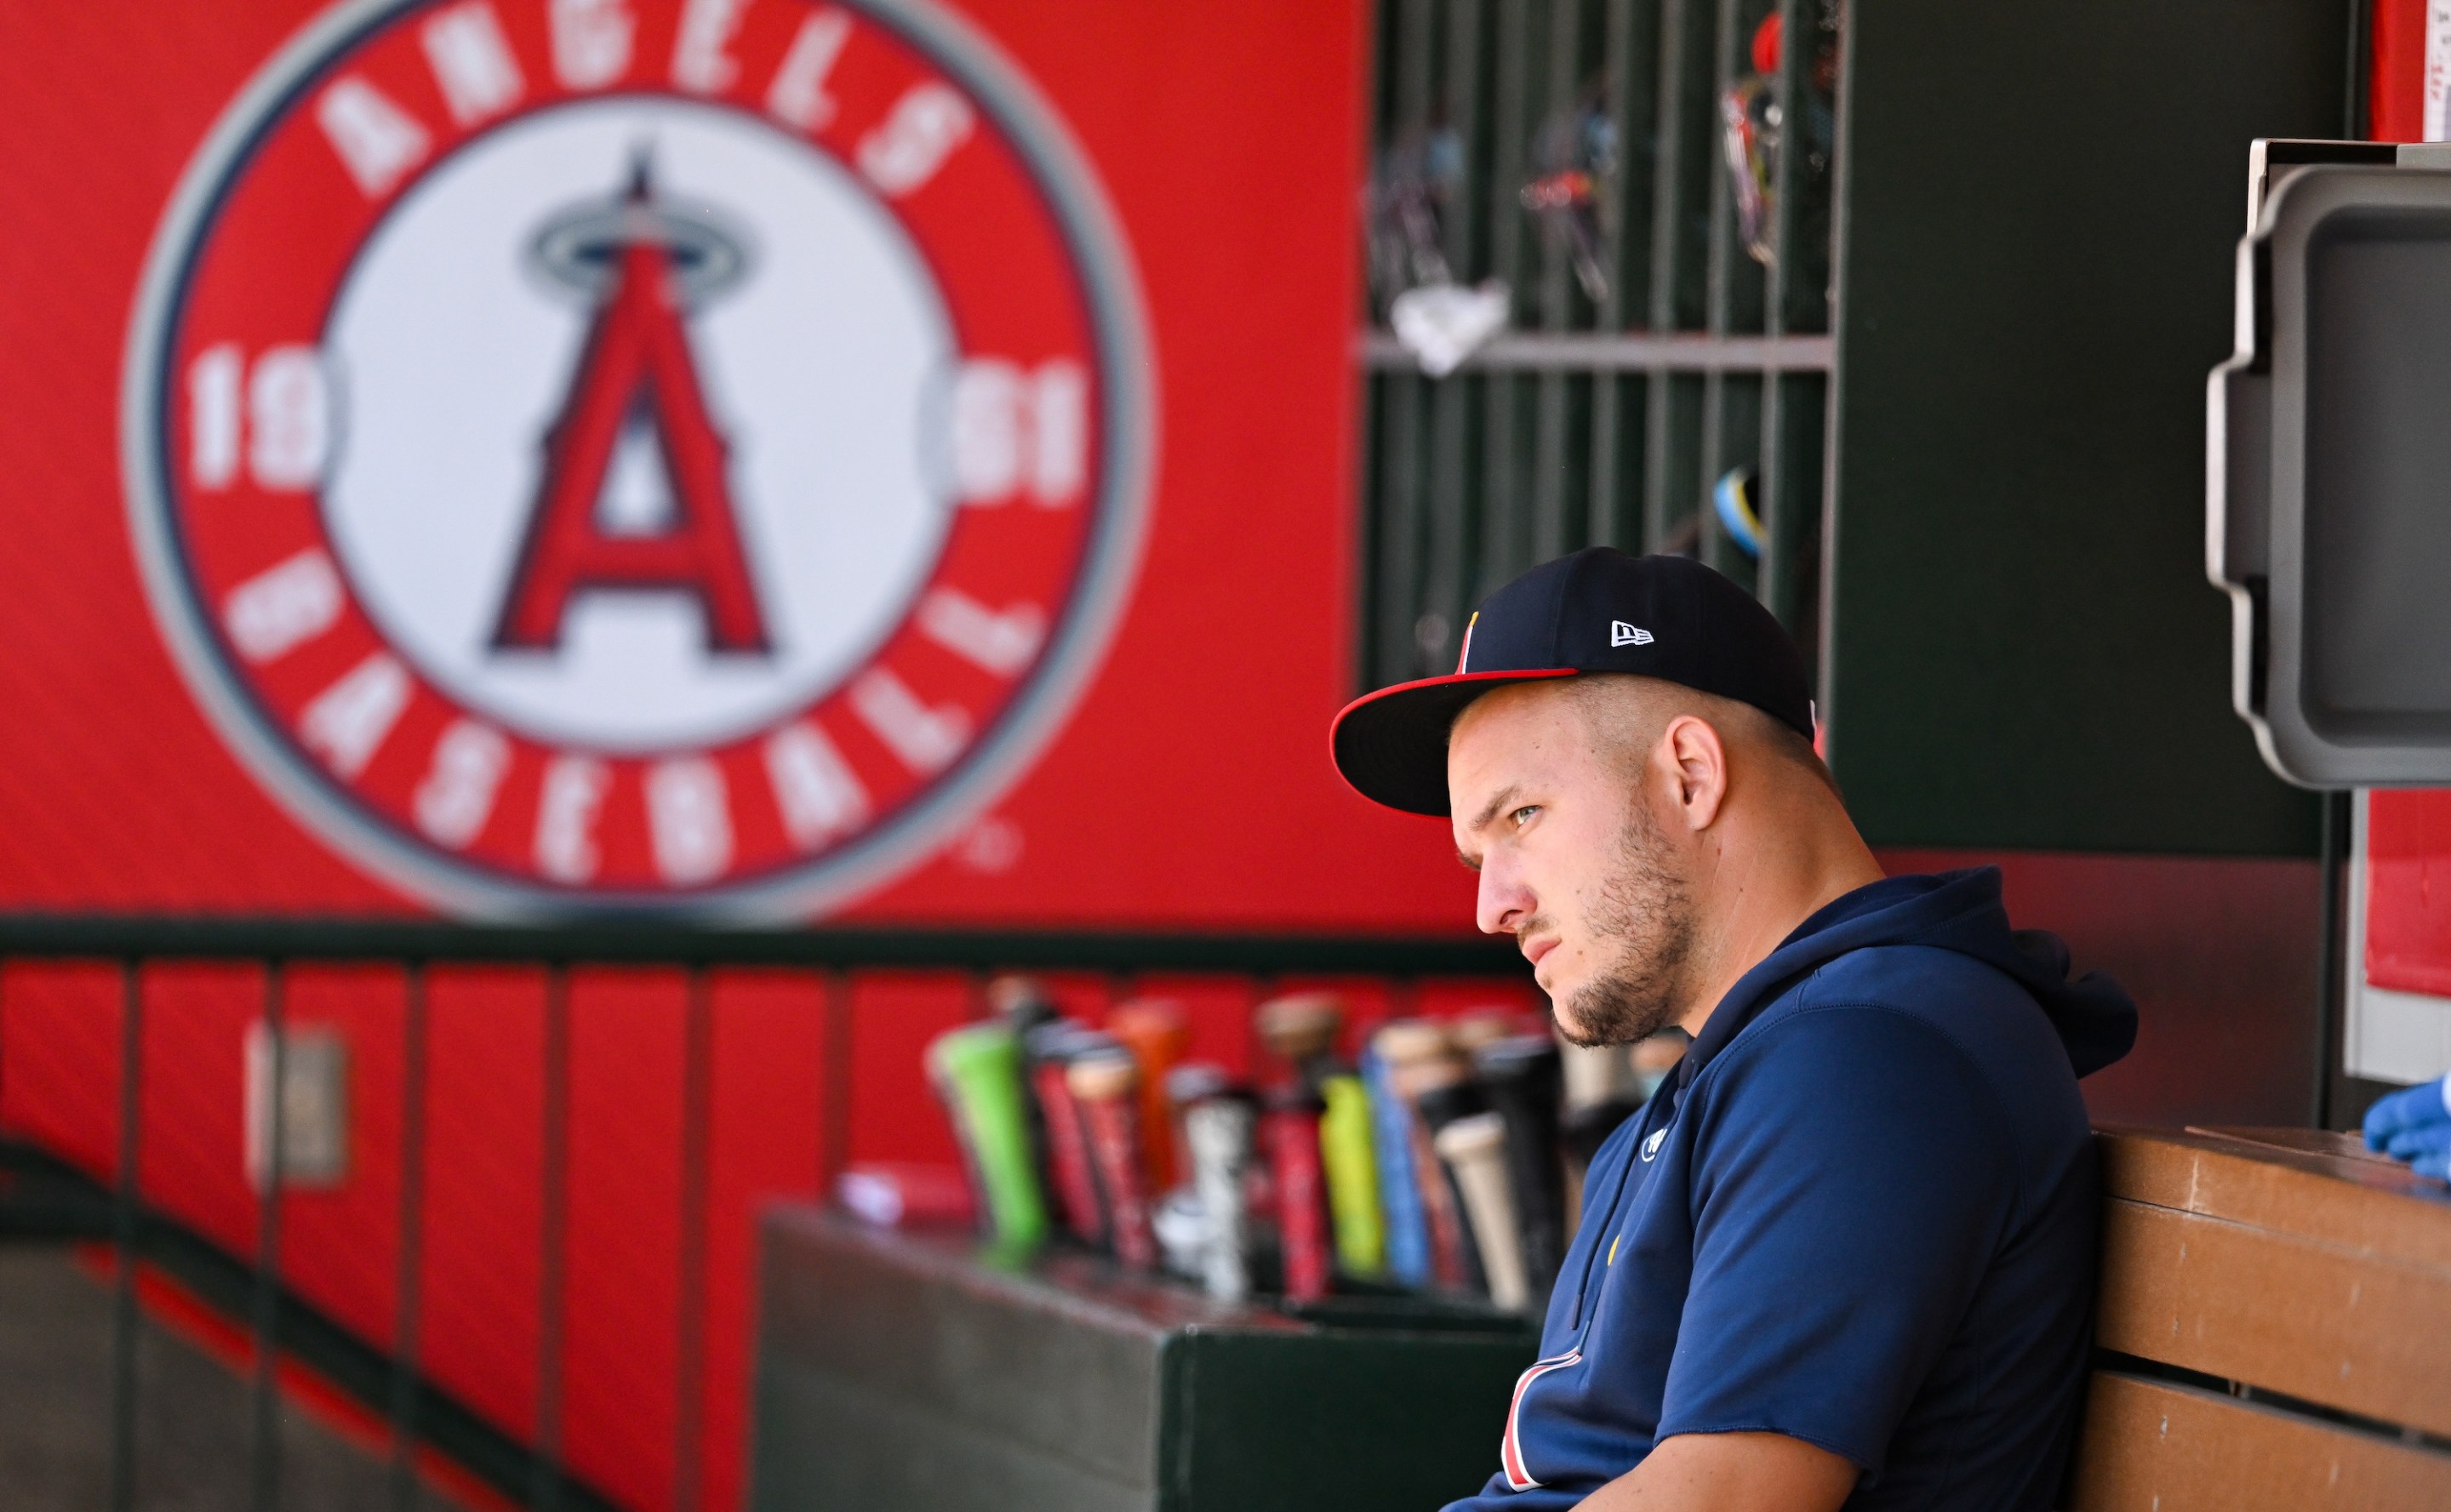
x: 1646, y: 911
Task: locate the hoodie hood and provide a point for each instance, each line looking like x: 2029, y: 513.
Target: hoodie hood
x: 1949, y: 910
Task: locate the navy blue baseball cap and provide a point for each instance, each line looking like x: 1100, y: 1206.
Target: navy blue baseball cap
x: 1598, y: 610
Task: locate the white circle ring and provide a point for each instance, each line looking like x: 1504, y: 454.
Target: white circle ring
x: 1125, y: 428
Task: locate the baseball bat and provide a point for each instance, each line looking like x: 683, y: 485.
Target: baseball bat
x: 1156, y: 1034
x: 1601, y: 1093
x: 1022, y: 1002
x: 1182, y: 1232
x: 1475, y: 1148
x: 1290, y: 1128
x: 1476, y: 1027
x: 976, y: 1069
x: 1022, y: 1005
x: 1521, y: 1078
x: 1219, y: 1132
x: 1595, y: 1074
x: 1444, y: 1092
x: 1102, y: 1082
x: 1185, y: 1085
x: 1346, y: 1156
x: 1416, y: 1054
x: 1050, y: 1047
x: 1300, y: 1030
x: 1400, y: 1194
x: 1654, y: 1059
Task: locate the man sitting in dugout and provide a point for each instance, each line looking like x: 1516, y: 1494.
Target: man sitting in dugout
x: 1844, y: 1257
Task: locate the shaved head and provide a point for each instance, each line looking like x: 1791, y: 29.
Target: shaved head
x: 1626, y: 714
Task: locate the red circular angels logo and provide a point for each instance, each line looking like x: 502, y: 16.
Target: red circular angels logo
x: 636, y: 452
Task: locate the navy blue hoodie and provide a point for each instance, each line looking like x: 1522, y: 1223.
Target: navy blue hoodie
x: 1862, y: 1213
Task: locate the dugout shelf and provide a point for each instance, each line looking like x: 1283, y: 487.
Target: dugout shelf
x: 917, y: 1371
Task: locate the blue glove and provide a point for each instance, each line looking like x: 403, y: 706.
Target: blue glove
x: 2414, y: 1125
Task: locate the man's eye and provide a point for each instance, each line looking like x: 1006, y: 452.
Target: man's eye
x: 1523, y: 816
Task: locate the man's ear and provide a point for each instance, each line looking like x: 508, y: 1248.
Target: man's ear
x: 1700, y: 765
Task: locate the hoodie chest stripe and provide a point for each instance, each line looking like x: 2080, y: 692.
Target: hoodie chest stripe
x: 1510, y: 1448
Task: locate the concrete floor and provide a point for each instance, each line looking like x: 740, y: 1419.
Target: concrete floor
x: 194, y: 1416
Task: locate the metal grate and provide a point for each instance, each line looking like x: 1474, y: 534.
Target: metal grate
x: 1667, y: 300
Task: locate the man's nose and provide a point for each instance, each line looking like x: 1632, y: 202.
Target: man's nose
x: 1503, y: 901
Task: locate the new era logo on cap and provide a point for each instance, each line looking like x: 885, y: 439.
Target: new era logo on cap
x: 1621, y: 634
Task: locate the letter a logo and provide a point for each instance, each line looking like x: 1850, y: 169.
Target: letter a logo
x: 703, y: 479
x: 635, y: 371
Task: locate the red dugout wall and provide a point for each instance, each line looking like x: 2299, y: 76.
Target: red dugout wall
x: 1185, y: 788
x: 1230, y: 150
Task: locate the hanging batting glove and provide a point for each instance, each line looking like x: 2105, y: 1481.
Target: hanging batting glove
x: 2414, y: 1125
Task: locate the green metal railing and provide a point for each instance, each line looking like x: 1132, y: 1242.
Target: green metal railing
x: 1626, y: 389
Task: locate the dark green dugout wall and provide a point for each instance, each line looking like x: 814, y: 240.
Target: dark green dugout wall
x: 2040, y: 208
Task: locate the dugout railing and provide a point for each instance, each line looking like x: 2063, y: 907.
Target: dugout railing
x: 431, y: 1439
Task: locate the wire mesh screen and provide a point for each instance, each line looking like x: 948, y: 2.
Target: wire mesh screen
x: 1599, y: 252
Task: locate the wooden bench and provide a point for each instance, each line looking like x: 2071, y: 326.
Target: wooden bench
x: 2276, y: 1327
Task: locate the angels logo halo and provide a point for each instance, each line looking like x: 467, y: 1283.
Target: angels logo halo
x: 637, y: 453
